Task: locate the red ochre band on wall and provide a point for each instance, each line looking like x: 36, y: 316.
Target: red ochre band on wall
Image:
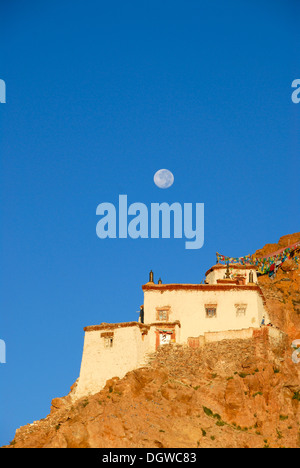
x: 203, y: 287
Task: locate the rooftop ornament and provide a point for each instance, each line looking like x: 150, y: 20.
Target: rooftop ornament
x: 227, y: 274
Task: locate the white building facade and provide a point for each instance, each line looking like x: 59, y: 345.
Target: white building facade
x: 229, y: 304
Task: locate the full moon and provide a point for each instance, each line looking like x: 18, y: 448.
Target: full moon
x: 163, y: 178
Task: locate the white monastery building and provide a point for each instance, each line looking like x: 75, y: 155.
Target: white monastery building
x: 229, y: 305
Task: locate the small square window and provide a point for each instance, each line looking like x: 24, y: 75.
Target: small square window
x: 241, y: 311
x: 211, y: 312
x: 162, y: 315
x: 108, y: 341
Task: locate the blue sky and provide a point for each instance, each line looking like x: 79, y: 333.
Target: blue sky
x: 100, y: 95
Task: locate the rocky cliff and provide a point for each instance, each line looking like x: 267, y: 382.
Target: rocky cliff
x: 234, y: 393
x: 282, y: 293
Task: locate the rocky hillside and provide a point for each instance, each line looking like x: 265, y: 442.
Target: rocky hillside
x: 235, y: 393
x: 283, y: 292
x: 229, y: 394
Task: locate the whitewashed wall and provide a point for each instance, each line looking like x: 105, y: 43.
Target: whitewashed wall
x: 100, y: 364
x: 188, y: 306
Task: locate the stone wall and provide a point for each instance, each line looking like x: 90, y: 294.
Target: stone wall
x: 271, y: 334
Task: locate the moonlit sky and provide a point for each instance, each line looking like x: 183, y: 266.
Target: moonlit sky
x: 100, y: 95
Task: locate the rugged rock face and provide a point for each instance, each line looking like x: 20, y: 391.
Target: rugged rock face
x: 283, y: 292
x: 234, y: 393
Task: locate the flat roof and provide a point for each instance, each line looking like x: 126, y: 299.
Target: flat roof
x: 112, y: 326
x: 199, y: 287
x: 142, y: 326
